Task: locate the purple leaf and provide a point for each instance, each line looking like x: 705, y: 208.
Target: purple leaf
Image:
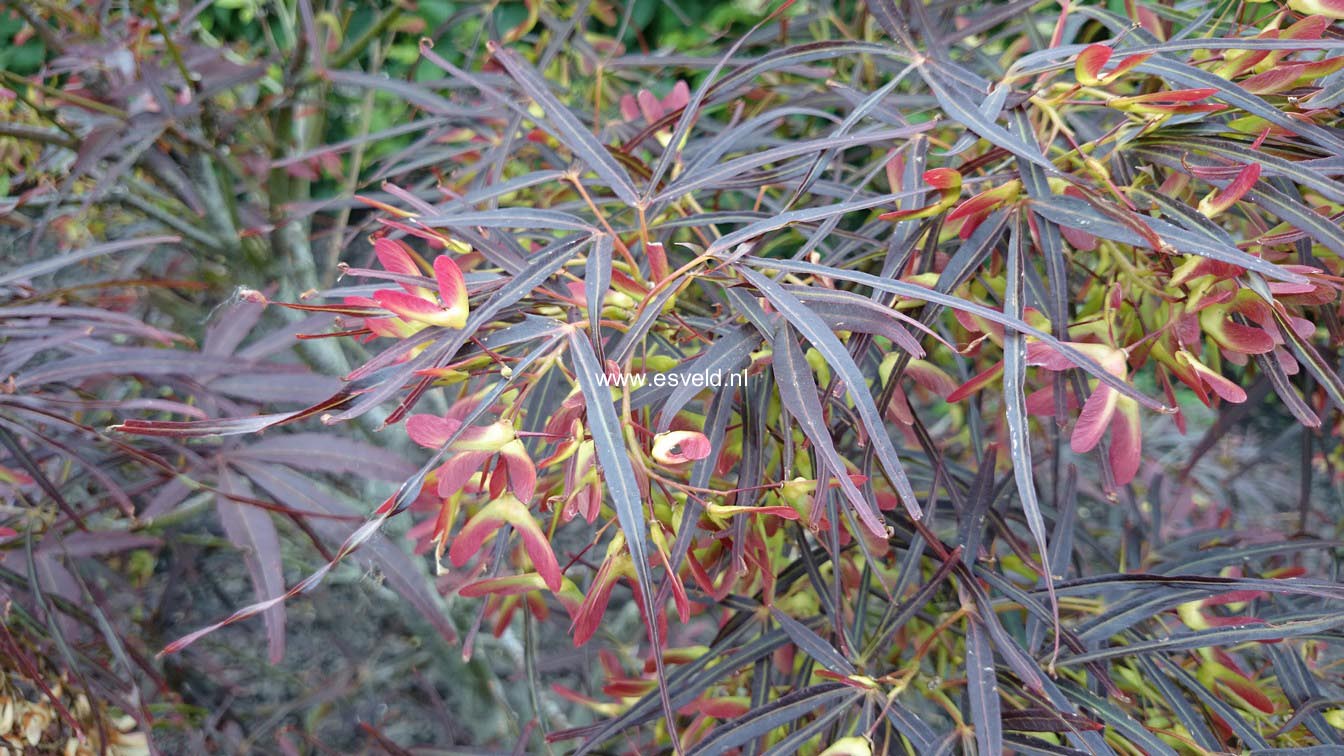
x: 799, y: 395
x: 322, y: 452
x: 982, y: 686
x: 838, y: 357
x: 268, y: 387
x: 397, y: 567
x: 88, y: 543
x: 120, y: 362
x: 200, y: 428
x: 169, y: 495
x: 253, y: 532
x: 562, y: 123
x: 52, y: 265
x: 231, y: 326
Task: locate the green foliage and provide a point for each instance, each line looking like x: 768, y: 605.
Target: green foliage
x: 20, y: 51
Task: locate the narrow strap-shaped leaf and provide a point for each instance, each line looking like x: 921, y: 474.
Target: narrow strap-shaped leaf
x: 887, y: 15
x: 729, y: 354
x: 982, y: 687
x: 1188, y: 217
x: 907, y: 723
x: 531, y: 328
x: 751, y: 130
x: 812, y: 644
x: 856, y: 115
x: 596, y: 281
x: 1300, y: 216
x: 794, y: 741
x: 716, y: 425
x: 510, y: 217
x: 990, y: 109
x: 911, y: 291
x: 650, y: 310
x: 1029, y: 745
x: 609, y: 441
x: 1051, y: 242
x: 1324, y: 374
x: 736, y: 166
x: 980, y: 498
x: 1015, y: 411
x: 1089, y: 740
x: 1076, y: 213
x: 1314, y: 750
x: 838, y: 357
x: 1271, y: 368
x: 847, y: 311
x: 1222, y: 636
x: 502, y: 250
x: 1134, y: 610
x: 200, y: 428
x: 972, y: 253
x: 798, y: 395
x: 565, y: 127
x: 253, y: 531
x: 1212, y: 584
x: 804, y: 53
x: 60, y: 262
x: 1043, y: 719
x: 1302, y: 692
x: 692, y: 109
x: 1186, y: 75
x: 754, y: 410
x: 691, y: 680
x: 1216, y: 558
x: 622, y: 487
x: 744, y: 304
x: 805, y: 215
x: 1191, y: 719
x: 1331, y: 94
x: 1104, y: 711
x: 1271, y: 164
x: 954, y: 104
x: 1061, y: 547
x: 1249, y: 733
x: 1012, y: 653
x: 405, y: 91
x: 826, y: 229
x: 789, y: 708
